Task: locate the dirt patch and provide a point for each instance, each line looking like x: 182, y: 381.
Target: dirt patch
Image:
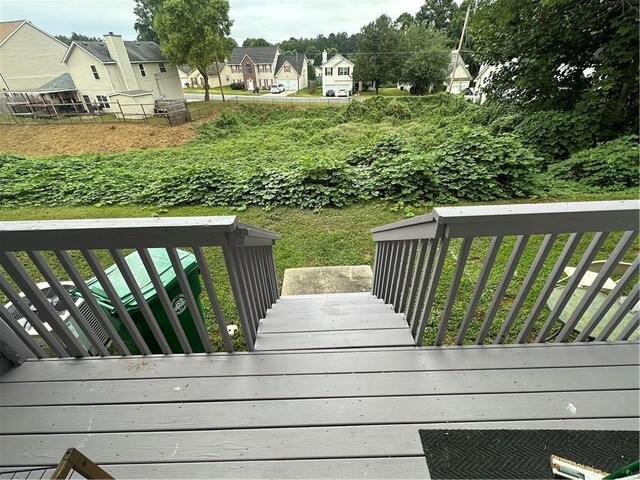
x: 48, y: 140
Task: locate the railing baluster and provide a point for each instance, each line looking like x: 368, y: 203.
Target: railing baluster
x: 122, y: 312
x: 619, y: 315
x: 415, y: 280
x: 274, y: 274
x: 567, y: 252
x: 611, y: 299
x: 69, y: 302
x: 249, y: 290
x: 165, y: 301
x: 527, y: 284
x: 213, y: 297
x: 32, y: 318
x: 433, y: 286
x: 490, y: 259
x: 22, y: 334
x: 572, y: 284
x: 391, y: 274
x: 237, y: 287
x: 131, y: 282
x: 408, y: 276
x: 45, y: 310
x: 509, y: 271
x: 453, y: 290
x: 258, y: 274
x: 12, y: 347
x: 630, y: 328
x: 272, y: 280
x: 376, y: 270
x: 384, y: 268
x: 190, y: 299
x: 67, y: 263
x: 621, y: 248
x: 424, y: 285
x: 401, y: 277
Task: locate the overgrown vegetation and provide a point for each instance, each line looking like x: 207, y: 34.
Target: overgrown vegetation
x: 412, y: 151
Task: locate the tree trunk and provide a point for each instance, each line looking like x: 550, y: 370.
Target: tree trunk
x: 375, y: 82
x: 206, y: 85
x: 220, y: 81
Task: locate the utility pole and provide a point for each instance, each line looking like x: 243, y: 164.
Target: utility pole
x: 457, y: 55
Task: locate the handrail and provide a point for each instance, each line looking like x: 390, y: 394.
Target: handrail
x: 411, y: 256
x: 516, y: 219
x: 249, y: 262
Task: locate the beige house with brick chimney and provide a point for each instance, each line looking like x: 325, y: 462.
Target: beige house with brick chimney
x: 124, y: 72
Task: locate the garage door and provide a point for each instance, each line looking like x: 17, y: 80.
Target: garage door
x: 290, y: 85
x: 331, y: 87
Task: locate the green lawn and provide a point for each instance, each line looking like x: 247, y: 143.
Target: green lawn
x: 308, y: 92
x: 385, y: 92
x: 226, y: 89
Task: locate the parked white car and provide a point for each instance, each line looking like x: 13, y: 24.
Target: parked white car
x: 343, y: 93
x: 277, y: 88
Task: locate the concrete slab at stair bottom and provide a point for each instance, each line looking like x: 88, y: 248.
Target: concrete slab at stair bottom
x: 319, y: 280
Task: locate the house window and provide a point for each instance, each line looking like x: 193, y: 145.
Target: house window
x: 103, y: 102
x: 94, y: 70
x: 268, y: 68
x: 287, y: 68
x: 163, y: 67
x: 248, y: 69
x: 343, y: 70
x: 142, y: 72
x: 227, y: 77
x: 328, y: 71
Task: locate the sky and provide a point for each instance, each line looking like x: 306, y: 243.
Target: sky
x: 273, y: 20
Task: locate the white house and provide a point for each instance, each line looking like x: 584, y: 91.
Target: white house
x: 461, y: 76
x: 482, y: 80
x: 291, y: 71
x: 337, y: 74
x: 116, y: 72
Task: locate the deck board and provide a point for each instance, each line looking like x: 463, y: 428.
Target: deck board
x: 291, y: 414
x: 271, y: 387
x: 334, y: 339
x: 332, y: 322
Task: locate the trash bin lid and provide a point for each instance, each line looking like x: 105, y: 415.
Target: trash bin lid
x: 160, y: 259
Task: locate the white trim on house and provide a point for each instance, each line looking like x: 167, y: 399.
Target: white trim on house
x: 74, y: 44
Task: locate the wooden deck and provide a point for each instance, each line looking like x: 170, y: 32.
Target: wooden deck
x: 345, y: 413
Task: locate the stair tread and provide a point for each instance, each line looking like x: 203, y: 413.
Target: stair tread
x: 334, y: 339
x: 349, y: 321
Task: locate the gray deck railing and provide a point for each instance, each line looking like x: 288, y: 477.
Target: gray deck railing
x: 413, y: 271
x: 50, y: 251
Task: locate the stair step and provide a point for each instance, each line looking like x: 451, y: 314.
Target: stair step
x: 326, y: 300
x: 394, y: 337
x: 327, y: 310
x: 317, y: 323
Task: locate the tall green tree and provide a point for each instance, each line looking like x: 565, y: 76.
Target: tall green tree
x: 404, y: 21
x: 564, y: 54
x: 378, y: 58
x: 194, y: 32
x: 438, y: 14
x: 145, y: 10
x: 76, y: 37
x: 427, y: 55
x: 255, y: 42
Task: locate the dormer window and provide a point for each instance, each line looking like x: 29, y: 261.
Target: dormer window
x: 94, y: 70
x: 142, y: 72
x: 163, y: 67
x: 287, y: 68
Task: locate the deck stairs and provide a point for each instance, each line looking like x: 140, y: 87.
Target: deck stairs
x: 331, y: 321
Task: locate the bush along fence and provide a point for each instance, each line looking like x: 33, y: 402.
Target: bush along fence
x: 27, y: 110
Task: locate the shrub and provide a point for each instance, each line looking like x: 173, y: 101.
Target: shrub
x: 475, y: 165
x: 237, y: 86
x: 555, y: 135
x: 611, y: 165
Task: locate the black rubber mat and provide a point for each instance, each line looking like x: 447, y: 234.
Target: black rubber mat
x: 523, y: 453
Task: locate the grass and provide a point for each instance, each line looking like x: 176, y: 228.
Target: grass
x: 384, y: 92
x: 331, y: 237
x: 308, y: 92
x: 226, y: 89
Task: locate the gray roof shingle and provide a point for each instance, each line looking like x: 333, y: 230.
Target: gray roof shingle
x: 257, y: 54
x: 138, y: 51
x: 296, y: 61
x: 62, y: 82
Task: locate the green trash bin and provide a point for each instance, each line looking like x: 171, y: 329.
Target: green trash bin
x: 168, y: 277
